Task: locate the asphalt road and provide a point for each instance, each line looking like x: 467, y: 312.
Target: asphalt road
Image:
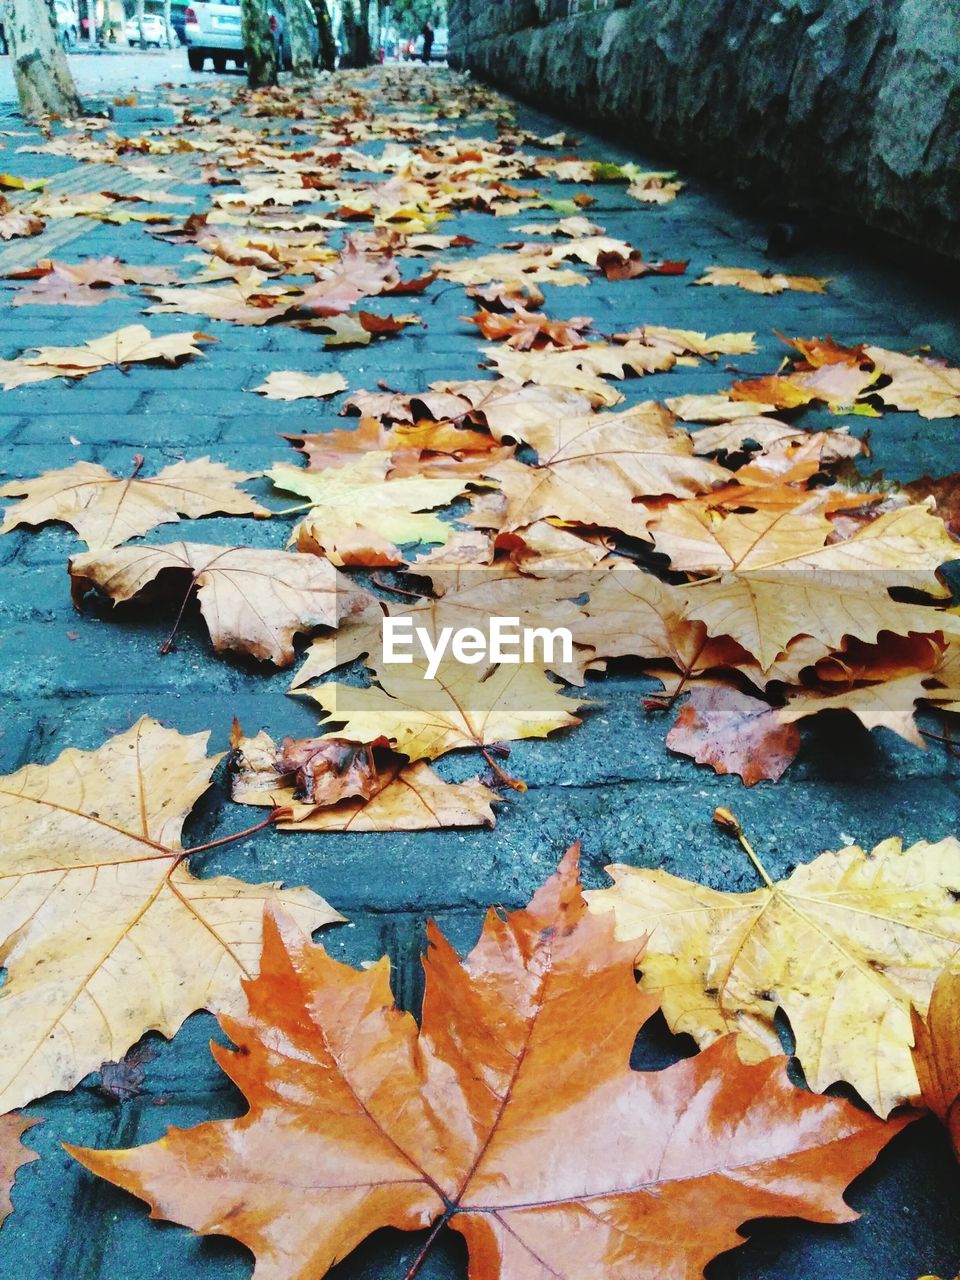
x: 111, y: 73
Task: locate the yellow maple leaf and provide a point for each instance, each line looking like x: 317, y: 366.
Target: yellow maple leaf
x: 846, y: 946
x: 106, y: 510
x: 106, y: 933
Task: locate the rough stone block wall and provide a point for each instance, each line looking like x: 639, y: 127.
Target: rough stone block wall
x: 852, y: 106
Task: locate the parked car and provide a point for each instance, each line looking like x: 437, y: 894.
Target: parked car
x: 68, y: 23
x: 154, y: 32
x: 214, y: 30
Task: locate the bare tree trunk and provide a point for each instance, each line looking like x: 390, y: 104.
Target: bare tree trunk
x: 142, y: 43
x: 364, y: 55
x: 298, y: 30
x: 328, y: 46
x: 356, y: 33
x: 43, y: 79
x: 168, y: 23
x: 258, y: 44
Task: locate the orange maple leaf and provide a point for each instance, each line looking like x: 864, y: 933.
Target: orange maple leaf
x: 512, y: 1116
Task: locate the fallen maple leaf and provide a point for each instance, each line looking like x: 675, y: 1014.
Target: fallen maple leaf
x: 81, y: 284
x: 124, y: 347
x: 715, y: 408
x: 510, y: 273
x: 637, y: 450
x: 357, y: 516
x: 426, y: 449
x: 11, y: 182
x: 734, y: 733
x: 632, y: 266
x: 122, y: 1081
x: 57, y: 289
x: 331, y: 769
x: 928, y: 387
x: 13, y: 1156
x: 936, y: 1054
x: 357, y: 793
x: 514, y: 295
x: 107, y: 934
x: 740, y: 435
x: 461, y: 706
x: 838, y: 385
x: 527, y: 330
x: 253, y: 601
x: 106, y: 510
x: 582, y: 370
x: 289, y: 385
x: 72, y: 204
x: 247, y: 301
x: 690, y: 342
x: 655, y: 188
x: 16, y: 222
x: 485, y: 1119
x: 846, y: 946
x: 889, y: 704
x: 762, y: 281
x: 945, y: 492
x: 775, y: 576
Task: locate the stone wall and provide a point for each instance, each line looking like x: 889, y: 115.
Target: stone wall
x: 848, y: 105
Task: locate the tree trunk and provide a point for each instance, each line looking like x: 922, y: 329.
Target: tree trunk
x: 168, y: 24
x: 364, y: 57
x: 142, y: 43
x: 298, y: 31
x: 43, y: 79
x: 328, y: 46
x: 258, y: 44
x: 356, y: 33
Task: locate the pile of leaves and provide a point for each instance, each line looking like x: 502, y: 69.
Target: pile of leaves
x: 727, y: 544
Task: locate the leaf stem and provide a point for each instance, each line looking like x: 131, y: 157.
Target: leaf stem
x: 946, y: 739
x: 289, y: 511
x: 515, y: 784
x: 272, y: 816
x: 401, y: 591
x: 428, y: 1245
x: 167, y: 645
x: 731, y: 824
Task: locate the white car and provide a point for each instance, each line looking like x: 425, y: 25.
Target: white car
x: 214, y: 30
x: 154, y: 31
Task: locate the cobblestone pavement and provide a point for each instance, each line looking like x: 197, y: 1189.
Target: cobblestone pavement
x: 73, y: 680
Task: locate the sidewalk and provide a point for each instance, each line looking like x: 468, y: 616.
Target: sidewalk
x: 70, y: 679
